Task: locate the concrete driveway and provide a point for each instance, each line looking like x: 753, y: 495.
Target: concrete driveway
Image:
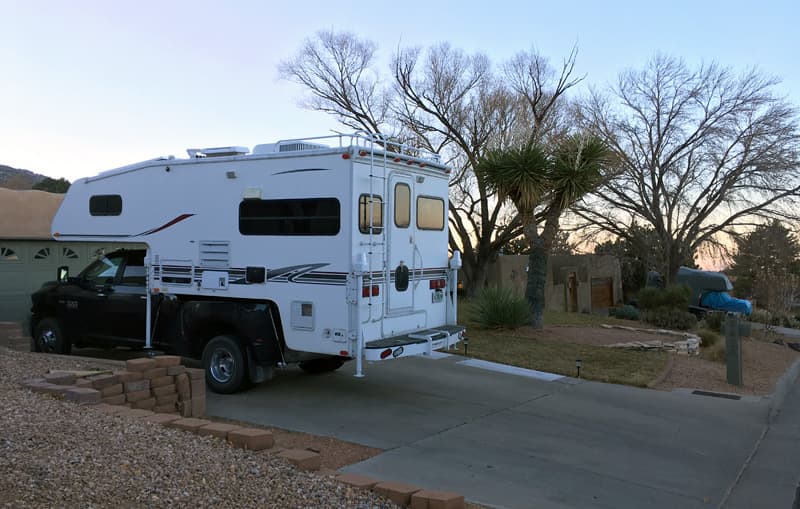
x: 513, y: 441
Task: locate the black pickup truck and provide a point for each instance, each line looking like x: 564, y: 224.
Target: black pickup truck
x: 239, y: 341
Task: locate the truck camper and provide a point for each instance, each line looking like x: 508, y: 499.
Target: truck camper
x: 312, y: 251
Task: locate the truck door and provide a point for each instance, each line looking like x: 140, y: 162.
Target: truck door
x: 85, y: 308
x: 127, y: 303
x: 403, y: 256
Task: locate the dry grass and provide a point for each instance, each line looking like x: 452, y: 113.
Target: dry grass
x: 553, y: 350
x: 600, y: 363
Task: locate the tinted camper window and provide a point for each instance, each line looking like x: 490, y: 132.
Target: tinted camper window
x: 305, y: 216
x: 367, y: 203
x: 430, y: 213
x: 105, y: 205
x: 402, y: 205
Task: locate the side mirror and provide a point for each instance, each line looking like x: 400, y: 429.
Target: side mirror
x: 62, y: 275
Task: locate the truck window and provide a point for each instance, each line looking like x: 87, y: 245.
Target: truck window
x: 103, y: 271
x: 402, y: 205
x: 304, y: 216
x: 430, y: 213
x: 134, y: 273
x: 365, y: 204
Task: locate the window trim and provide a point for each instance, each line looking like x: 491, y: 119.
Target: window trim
x: 444, y: 212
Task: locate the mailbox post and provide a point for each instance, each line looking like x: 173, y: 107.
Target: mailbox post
x: 733, y: 348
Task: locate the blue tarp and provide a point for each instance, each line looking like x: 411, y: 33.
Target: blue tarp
x: 724, y: 302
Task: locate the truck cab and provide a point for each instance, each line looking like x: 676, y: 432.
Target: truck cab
x: 104, y: 305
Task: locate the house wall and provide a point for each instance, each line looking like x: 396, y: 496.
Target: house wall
x: 510, y: 271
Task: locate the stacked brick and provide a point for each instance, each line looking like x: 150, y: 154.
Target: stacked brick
x: 159, y: 384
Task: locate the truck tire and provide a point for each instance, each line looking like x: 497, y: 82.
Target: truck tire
x: 49, y: 338
x: 324, y: 365
x: 225, y: 364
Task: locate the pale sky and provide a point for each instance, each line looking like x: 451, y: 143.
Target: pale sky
x: 90, y: 85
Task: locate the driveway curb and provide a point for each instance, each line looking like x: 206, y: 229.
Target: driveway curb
x: 782, y: 387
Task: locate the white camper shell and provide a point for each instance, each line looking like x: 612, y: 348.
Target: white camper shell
x: 347, y: 236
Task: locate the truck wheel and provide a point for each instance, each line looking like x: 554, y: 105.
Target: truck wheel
x: 49, y: 338
x: 225, y: 365
x: 324, y: 365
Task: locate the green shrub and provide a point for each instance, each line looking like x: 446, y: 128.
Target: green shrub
x: 626, y: 312
x: 709, y: 338
x: 761, y: 316
x: 673, y: 297
x: 500, y: 308
x: 714, y: 321
x: 667, y: 318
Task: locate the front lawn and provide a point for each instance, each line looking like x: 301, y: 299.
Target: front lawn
x: 557, y: 353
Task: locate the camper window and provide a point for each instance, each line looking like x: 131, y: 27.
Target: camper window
x: 430, y: 213
x: 402, y: 205
x: 306, y: 216
x: 366, y: 203
x: 105, y: 205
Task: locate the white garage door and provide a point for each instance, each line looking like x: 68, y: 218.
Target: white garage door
x: 26, y: 264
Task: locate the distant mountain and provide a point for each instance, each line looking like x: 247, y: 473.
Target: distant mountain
x: 13, y: 178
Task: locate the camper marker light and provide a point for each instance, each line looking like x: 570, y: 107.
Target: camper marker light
x: 362, y: 153
x: 386, y: 353
x: 343, y: 353
x: 345, y: 156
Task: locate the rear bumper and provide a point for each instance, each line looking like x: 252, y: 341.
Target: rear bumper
x: 422, y: 342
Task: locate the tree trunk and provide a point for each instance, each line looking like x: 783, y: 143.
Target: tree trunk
x: 477, y: 279
x: 537, y: 276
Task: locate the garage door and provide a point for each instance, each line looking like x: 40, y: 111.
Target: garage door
x: 602, y: 293
x: 26, y: 264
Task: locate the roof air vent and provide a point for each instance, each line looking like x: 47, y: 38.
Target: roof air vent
x: 217, y: 152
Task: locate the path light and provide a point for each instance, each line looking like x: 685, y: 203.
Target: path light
x: 578, y: 364
x: 466, y: 344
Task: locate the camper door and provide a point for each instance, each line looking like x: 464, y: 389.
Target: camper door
x: 404, y: 257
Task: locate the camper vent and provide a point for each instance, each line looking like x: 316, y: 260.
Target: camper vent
x: 293, y: 147
x: 215, y: 254
x: 217, y: 152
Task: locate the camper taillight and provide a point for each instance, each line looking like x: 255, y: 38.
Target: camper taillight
x: 437, y: 284
x: 371, y: 291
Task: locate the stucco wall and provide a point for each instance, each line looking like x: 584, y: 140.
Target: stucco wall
x: 510, y: 271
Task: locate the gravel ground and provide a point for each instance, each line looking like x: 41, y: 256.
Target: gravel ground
x: 56, y: 454
x: 763, y: 363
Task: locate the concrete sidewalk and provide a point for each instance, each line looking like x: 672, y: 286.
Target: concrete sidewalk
x: 771, y: 476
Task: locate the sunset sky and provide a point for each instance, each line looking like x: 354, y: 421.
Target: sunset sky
x: 91, y: 85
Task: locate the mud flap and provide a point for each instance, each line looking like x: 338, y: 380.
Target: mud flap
x: 258, y: 373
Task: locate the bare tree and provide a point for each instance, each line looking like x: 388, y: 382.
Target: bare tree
x: 701, y: 152
x: 338, y: 70
x: 448, y: 102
